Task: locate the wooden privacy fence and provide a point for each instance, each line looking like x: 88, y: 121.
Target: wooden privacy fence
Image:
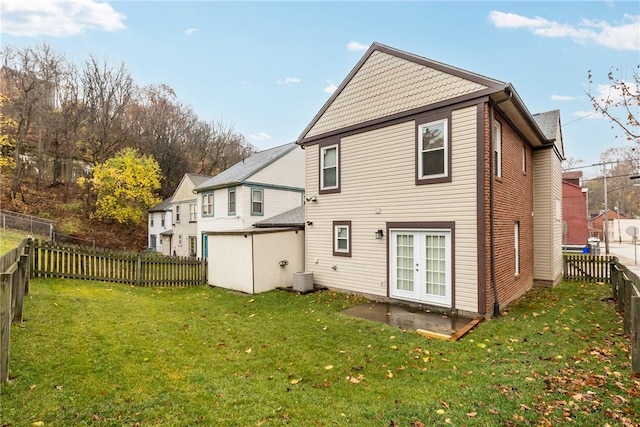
x: 14, y: 285
x: 141, y: 269
x: 594, y: 268
x: 626, y: 291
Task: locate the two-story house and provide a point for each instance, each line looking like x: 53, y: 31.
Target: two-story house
x: 184, y: 204
x: 261, y: 186
x: 159, y: 225
x: 431, y: 185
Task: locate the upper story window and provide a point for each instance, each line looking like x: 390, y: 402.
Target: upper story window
x: 193, y: 212
x: 177, y: 214
x: 162, y: 215
x: 207, y: 204
x: 330, y: 168
x: 257, y: 201
x: 497, y: 148
x: 232, y: 202
x: 151, y: 220
x: 433, y: 146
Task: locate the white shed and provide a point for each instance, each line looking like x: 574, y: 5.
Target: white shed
x: 260, y: 258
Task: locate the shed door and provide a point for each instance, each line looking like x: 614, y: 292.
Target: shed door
x: 420, y: 266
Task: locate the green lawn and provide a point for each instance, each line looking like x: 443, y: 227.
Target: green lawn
x: 114, y: 355
x: 9, y: 239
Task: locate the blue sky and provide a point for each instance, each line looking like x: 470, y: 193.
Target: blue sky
x: 268, y: 67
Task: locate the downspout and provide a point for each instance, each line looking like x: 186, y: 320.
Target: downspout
x: 492, y: 166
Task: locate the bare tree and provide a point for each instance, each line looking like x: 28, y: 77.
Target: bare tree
x: 107, y: 92
x: 619, y: 101
x: 29, y: 80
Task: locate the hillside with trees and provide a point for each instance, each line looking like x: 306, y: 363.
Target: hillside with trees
x: 60, y: 122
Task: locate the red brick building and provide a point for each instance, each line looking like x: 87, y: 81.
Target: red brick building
x: 574, y: 209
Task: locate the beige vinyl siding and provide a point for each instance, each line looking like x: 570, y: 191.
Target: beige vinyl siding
x: 287, y: 171
x: 386, y: 85
x: 378, y: 175
x: 556, y: 185
x: 543, y: 219
x: 184, y: 192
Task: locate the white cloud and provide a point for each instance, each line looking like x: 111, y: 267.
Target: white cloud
x: 623, y: 36
x: 260, y: 136
x: 355, y: 46
x: 588, y: 114
x: 289, y: 80
x: 190, y: 31
x: 563, y: 98
x: 330, y: 88
x: 58, y: 18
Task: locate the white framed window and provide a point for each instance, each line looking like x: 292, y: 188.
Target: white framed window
x: 329, y: 168
x: 193, y: 212
x: 180, y: 240
x: 433, y: 150
x: 162, y: 215
x: 232, y: 202
x: 177, y: 214
x: 342, y: 238
x: 497, y: 148
x: 192, y: 246
x: 207, y: 204
x: 151, y: 220
x: 516, y: 247
x: 257, y: 201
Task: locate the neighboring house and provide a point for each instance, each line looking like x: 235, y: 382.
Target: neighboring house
x: 420, y: 187
x: 261, y: 186
x: 263, y: 257
x: 159, y: 224
x: 574, y: 209
x: 597, y: 224
x: 184, y: 203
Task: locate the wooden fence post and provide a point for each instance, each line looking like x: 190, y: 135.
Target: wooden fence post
x: 5, y: 325
x: 138, y: 270
x: 634, y: 317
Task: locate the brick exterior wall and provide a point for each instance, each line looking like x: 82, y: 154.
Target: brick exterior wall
x: 513, y: 201
x: 574, y: 214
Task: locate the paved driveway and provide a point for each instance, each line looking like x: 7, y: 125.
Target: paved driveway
x: 628, y: 254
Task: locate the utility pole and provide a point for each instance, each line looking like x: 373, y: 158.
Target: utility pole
x: 606, y: 215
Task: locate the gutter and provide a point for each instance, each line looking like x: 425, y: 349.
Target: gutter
x: 492, y: 166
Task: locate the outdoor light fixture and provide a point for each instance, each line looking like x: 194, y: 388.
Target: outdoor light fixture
x: 283, y: 263
x: 379, y: 234
x: 312, y: 199
x: 309, y: 223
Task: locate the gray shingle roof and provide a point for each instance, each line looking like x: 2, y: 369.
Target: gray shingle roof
x: 247, y: 167
x: 548, y: 122
x: 162, y: 206
x: 198, y: 179
x: 290, y: 218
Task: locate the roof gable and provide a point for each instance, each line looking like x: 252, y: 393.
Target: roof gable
x: 244, y: 169
x: 549, y: 123
x: 184, y: 190
x: 387, y: 82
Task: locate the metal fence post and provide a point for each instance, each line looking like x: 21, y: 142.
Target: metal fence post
x: 634, y: 316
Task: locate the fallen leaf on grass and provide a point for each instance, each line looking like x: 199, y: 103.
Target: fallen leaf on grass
x: 440, y: 411
x: 471, y: 414
x: 389, y: 374
x: 248, y: 350
x: 295, y: 381
x: 38, y: 424
x: 355, y: 380
x: 328, y: 367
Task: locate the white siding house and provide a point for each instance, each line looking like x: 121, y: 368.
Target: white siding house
x: 159, y: 225
x: 184, y: 203
x: 263, y: 185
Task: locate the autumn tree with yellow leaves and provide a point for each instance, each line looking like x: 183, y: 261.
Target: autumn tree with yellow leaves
x: 125, y: 187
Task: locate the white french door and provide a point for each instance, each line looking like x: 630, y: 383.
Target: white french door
x: 420, y: 266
